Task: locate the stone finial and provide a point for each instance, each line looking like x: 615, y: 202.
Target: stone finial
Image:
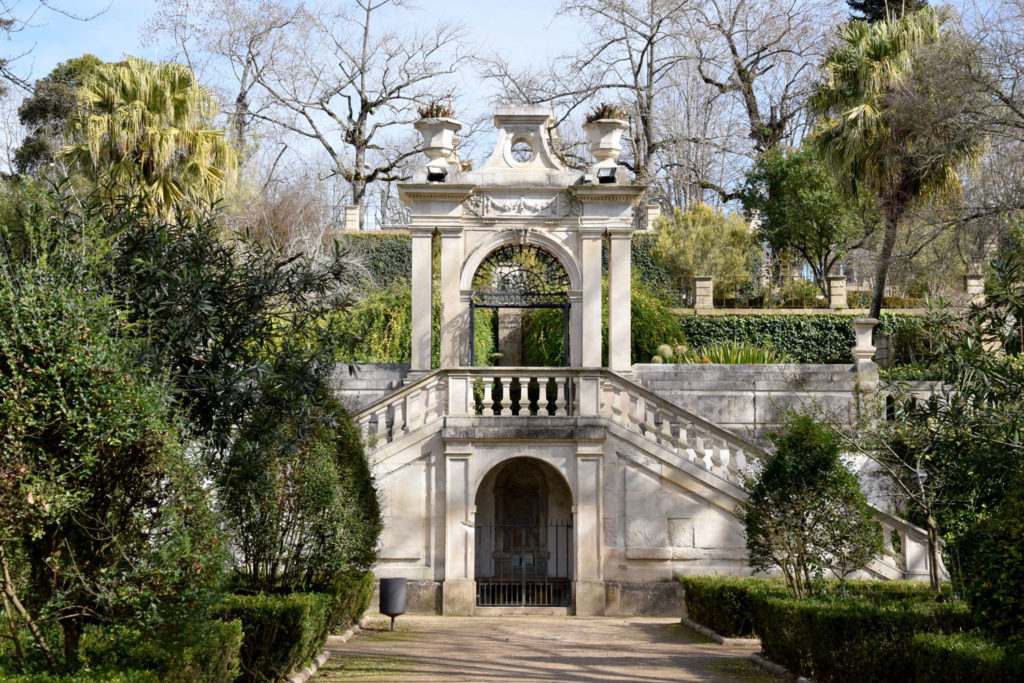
x: 864, y: 349
x: 438, y: 139
x: 703, y: 289
x: 837, y: 291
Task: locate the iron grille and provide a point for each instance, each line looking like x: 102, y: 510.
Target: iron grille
x: 524, y: 565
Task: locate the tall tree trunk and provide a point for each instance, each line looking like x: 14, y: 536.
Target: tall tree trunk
x: 893, y: 210
x: 933, y: 553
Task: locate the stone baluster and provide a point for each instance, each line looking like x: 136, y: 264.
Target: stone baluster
x: 400, y: 426
x: 560, y: 385
x: 364, y: 429
x: 382, y: 425
x: 617, y: 401
x: 488, y: 408
x: 636, y: 406
x: 718, y: 447
x: 737, y: 464
x: 506, y: 396
x: 665, y: 434
x: 683, y: 439
x: 416, y: 415
x: 699, y: 450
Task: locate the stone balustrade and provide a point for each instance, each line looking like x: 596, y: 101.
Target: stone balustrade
x: 557, y: 392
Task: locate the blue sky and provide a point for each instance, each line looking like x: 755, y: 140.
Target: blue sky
x: 522, y: 29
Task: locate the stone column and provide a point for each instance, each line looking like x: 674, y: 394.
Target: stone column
x: 975, y: 285
x: 619, y: 296
x: 837, y: 291
x: 458, y: 592
x: 453, y: 319
x: 591, y: 267
x: 422, y: 309
x: 352, y: 217
x: 704, y: 292
x: 575, y: 328
x: 590, y: 591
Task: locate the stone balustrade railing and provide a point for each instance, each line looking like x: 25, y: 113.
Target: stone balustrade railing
x: 557, y: 392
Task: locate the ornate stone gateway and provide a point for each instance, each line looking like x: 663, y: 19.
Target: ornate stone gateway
x: 520, y: 277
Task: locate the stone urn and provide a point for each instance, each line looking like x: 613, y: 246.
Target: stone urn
x: 438, y: 138
x: 605, y: 139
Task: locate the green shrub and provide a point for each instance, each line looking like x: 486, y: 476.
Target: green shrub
x: 652, y: 323
x: 721, y: 603
x: 198, y: 652
x: 855, y: 639
x: 101, y: 676
x: 805, y: 338
x: 964, y: 658
x: 733, y: 353
x: 354, y: 597
x: 281, y: 632
x: 387, y: 257
x: 991, y: 568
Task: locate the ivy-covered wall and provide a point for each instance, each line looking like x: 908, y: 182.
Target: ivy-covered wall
x: 387, y: 256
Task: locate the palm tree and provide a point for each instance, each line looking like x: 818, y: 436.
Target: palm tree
x: 142, y: 133
x: 894, y: 120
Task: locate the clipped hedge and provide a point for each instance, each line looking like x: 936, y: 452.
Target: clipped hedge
x: 387, y: 257
x: 853, y: 639
x: 805, y: 338
x: 964, y: 658
x: 721, y: 603
x: 281, y: 632
x: 356, y: 595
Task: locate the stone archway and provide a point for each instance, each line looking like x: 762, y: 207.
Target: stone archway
x: 524, y: 284
x: 524, y: 538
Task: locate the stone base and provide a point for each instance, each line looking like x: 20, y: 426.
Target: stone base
x: 590, y: 599
x: 458, y: 598
x: 663, y: 599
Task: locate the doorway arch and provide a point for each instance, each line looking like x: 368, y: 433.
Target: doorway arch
x: 524, y: 536
x: 523, y: 283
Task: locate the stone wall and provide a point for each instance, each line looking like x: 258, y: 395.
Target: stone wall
x: 749, y: 399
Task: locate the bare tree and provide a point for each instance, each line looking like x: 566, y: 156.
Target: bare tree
x: 763, y: 55
x: 345, y: 79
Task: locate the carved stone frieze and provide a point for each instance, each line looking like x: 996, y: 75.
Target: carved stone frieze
x: 484, y: 205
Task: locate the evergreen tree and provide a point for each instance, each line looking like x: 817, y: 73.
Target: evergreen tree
x: 880, y: 10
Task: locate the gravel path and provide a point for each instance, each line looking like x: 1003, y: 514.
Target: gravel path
x: 435, y: 648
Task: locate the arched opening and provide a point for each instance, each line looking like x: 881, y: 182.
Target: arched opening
x: 523, y: 536
x: 528, y: 290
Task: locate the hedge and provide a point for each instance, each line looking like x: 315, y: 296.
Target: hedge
x: 721, y: 603
x: 964, y: 658
x: 356, y: 595
x: 854, y: 639
x: 805, y: 338
x: 387, y: 257
x: 281, y: 632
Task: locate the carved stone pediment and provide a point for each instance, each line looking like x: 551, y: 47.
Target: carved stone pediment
x: 560, y: 205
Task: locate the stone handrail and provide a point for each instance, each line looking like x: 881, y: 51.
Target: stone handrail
x: 692, y: 438
x: 557, y: 392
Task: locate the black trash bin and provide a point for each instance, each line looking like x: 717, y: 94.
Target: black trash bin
x: 392, y: 598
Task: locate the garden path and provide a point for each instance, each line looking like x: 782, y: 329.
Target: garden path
x: 435, y: 648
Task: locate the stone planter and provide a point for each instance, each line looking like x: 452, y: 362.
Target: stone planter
x: 605, y: 140
x: 438, y: 138
x: 862, y: 329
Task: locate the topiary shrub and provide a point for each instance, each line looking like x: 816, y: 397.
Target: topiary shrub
x: 721, y: 603
x: 804, y: 512
x: 281, y: 632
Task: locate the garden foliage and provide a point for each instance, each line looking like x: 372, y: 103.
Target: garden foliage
x: 804, y: 512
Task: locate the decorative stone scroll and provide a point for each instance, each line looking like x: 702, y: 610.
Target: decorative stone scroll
x: 561, y: 205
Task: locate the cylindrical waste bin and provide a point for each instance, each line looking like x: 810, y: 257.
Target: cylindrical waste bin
x: 392, y: 598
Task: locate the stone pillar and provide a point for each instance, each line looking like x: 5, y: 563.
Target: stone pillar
x: 352, y: 217
x: 653, y: 214
x: 975, y: 285
x: 590, y: 264
x: 590, y: 598
x: 837, y: 291
x: 575, y: 328
x: 619, y: 295
x: 864, y: 349
x: 704, y: 291
x: 458, y: 595
x: 510, y: 336
x: 453, y: 336
x: 422, y: 280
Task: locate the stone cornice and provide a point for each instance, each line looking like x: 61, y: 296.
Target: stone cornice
x: 434, y: 192
x: 631, y: 194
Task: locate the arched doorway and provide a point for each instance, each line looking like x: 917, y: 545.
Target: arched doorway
x: 528, y: 289
x: 524, y: 536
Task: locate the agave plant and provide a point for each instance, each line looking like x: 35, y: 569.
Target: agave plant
x: 606, y: 111
x: 733, y: 353
x: 436, y: 110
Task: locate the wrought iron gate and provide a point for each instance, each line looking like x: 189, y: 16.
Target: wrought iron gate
x: 524, y: 565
